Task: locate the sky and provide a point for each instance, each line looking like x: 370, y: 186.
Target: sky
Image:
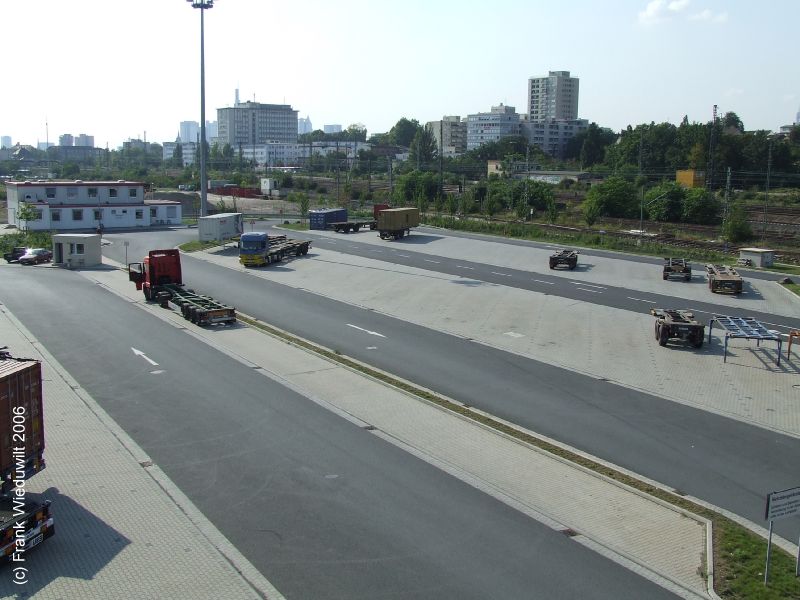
x: 120, y: 70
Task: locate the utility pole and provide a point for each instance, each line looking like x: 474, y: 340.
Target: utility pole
x: 711, y: 144
x: 766, y: 191
x: 441, y: 148
x: 725, y: 208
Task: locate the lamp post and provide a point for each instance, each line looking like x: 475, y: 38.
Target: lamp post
x: 202, y: 5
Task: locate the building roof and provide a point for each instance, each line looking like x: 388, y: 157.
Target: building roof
x: 77, y: 182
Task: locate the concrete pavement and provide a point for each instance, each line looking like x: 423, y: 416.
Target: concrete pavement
x: 661, y: 543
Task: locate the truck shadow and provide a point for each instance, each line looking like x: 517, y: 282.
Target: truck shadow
x: 417, y: 238
x: 82, y: 547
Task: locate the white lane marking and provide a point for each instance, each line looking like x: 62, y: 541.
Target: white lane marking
x: 547, y: 282
x: 593, y: 291
x: 372, y: 347
x: 157, y: 372
x: 503, y: 274
x: 588, y: 285
x: 513, y: 334
x: 641, y: 300
x: 463, y: 267
x: 366, y: 330
x: 144, y: 356
x: 436, y: 262
x: 404, y: 255
x: 377, y: 250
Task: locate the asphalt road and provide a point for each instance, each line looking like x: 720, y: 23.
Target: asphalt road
x: 722, y: 461
x: 322, y: 507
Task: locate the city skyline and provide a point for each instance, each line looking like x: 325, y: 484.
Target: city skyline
x: 637, y: 62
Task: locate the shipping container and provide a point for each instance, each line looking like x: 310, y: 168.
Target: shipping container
x: 397, y: 222
x: 21, y: 417
x: 223, y: 226
x: 321, y: 218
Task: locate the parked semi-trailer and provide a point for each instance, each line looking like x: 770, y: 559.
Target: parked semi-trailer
x: 159, y: 277
x: 25, y: 517
x: 223, y: 226
x: 257, y: 248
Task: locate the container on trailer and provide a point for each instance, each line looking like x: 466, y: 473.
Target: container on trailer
x: 396, y: 219
x: 321, y: 218
x: 223, y: 226
x: 377, y: 208
x: 21, y: 417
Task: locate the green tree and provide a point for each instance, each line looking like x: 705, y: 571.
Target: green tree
x: 552, y: 211
x: 615, y: 197
x: 591, y: 212
x: 665, y: 202
x: 403, y: 132
x: 700, y: 206
x: 521, y: 209
x: 452, y: 204
x: 736, y: 228
x: 26, y: 213
x: 423, y: 147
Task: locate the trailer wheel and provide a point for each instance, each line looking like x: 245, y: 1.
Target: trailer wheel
x: 697, y: 341
x: 663, y: 335
x: 687, y: 277
x: 657, y: 331
x: 572, y: 265
x: 552, y: 265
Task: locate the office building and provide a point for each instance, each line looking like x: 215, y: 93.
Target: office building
x: 304, y: 126
x: 5, y: 141
x: 85, y: 140
x: 552, y: 136
x: 253, y: 123
x: 501, y: 122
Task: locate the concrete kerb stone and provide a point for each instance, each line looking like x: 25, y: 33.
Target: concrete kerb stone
x: 229, y: 553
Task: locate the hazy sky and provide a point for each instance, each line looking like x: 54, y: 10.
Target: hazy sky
x: 118, y: 69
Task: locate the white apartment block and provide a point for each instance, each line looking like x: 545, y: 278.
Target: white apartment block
x: 450, y: 134
x: 552, y: 136
x: 501, y: 122
x: 84, y: 140
x: 277, y: 154
x: 188, y: 150
x: 553, y: 97
x: 71, y: 205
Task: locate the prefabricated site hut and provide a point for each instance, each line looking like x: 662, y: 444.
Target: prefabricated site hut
x: 75, y: 205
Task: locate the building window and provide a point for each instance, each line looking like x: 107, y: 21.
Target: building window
x: 172, y: 212
x: 92, y: 192
x: 76, y: 249
x: 55, y: 215
x: 37, y: 215
x: 72, y: 193
x: 153, y: 213
x: 112, y: 192
x: 77, y: 214
x: 139, y: 214
x: 50, y: 193
x: 131, y: 192
x: 98, y: 214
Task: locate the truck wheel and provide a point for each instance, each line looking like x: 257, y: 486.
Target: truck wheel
x: 663, y: 336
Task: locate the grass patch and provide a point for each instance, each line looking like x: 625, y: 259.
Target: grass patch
x: 196, y: 246
x: 788, y: 269
x: 739, y: 554
x: 792, y: 287
x: 296, y: 226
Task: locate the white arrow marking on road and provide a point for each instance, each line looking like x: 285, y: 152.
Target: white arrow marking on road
x: 366, y: 330
x: 144, y: 356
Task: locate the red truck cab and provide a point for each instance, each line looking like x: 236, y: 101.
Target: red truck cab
x: 158, y: 268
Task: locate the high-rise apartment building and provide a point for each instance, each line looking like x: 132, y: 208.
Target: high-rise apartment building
x: 84, y: 140
x: 189, y: 131
x: 450, y: 134
x: 304, y: 126
x: 5, y: 141
x: 66, y: 140
x: 553, y: 97
x: 250, y: 123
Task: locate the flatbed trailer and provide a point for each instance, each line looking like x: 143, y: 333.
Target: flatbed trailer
x: 159, y: 277
x: 354, y: 226
x: 680, y: 324
x: 723, y: 278
x: 566, y: 258
x: 677, y: 267
x: 257, y: 249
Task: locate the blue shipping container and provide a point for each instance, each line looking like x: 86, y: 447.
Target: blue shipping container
x: 321, y: 218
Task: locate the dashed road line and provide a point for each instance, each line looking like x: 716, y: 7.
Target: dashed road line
x: 642, y: 300
x: 542, y: 281
x: 593, y: 291
x: 588, y: 285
